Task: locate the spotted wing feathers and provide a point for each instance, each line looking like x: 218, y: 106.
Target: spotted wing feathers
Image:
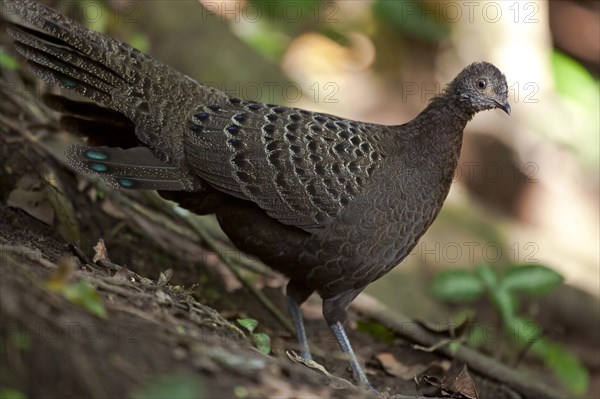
x: 301, y: 167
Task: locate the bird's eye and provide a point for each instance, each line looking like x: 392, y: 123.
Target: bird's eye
x: 481, y: 83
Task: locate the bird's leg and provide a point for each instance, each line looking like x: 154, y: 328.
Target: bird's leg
x: 297, y: 293
x: 359, y: 375
x: 299, y: 326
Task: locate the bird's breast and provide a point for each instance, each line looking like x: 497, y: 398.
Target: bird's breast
x: 386, y: 221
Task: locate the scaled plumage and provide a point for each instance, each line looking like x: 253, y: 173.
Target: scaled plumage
x: 333, y: 204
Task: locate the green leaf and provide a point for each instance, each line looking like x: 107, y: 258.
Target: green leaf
x: 531, y: 279
x: 249, y: 324
x: 506, y: 304
x: 477, y: 336
x: 564, y: 364
x: 7, y: 61
x: 457, y: 286
x: 85, y: 295
x: 377, y: 330
x: 524, y: 331
x: 262, y: 342
x: 486, y: 274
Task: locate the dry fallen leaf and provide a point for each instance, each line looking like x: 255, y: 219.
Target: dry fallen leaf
x: 429, y: 383
x: 30, y: 196
x: 462, y: 385
x: 164, y: 277
x: 100, y: 252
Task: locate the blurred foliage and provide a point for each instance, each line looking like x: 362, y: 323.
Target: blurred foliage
x: 460, y: 286
x: 179, y: 386
x: 21, y: 340
x: 286, y: 11
x: 581, y: 93
x: 7, y: 61
x: 377, y: 330
x: 530, y: 279
x: 261, y: 37
x: 85, y: 295
x: 574, y: 81
x: 241, y: 391
x: 8, y: 393
x: 81, y: 293
x: 565, y: 365
x: 281, y: 21
x: 94, y: 15
x: 101, y: 18
x: 410, y: 18
x: 457, y: 286
x: 140, y: 41
x: 504, y: 292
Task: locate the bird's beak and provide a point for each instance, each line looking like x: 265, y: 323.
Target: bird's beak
x: 505, y: 106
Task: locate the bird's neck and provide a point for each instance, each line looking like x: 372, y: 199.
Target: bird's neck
x: 437, y: 131
x: 444, y: 118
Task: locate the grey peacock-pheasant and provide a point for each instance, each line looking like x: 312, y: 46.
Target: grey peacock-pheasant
x: 333, y: 204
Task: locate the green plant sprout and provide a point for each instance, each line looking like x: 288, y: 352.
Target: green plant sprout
x: 505, y: 290
x: 261, y: 340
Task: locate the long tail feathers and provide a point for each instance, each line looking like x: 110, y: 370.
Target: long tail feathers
x: 133, y: 168
x: 154, y: 97
x: 60, y: 58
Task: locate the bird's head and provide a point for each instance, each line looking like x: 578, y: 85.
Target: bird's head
x: 483, y: 86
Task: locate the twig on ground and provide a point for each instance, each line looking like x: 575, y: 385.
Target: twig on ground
x: 484, y: 365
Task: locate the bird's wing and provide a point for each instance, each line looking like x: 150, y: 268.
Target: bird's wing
x: 301, y: 167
